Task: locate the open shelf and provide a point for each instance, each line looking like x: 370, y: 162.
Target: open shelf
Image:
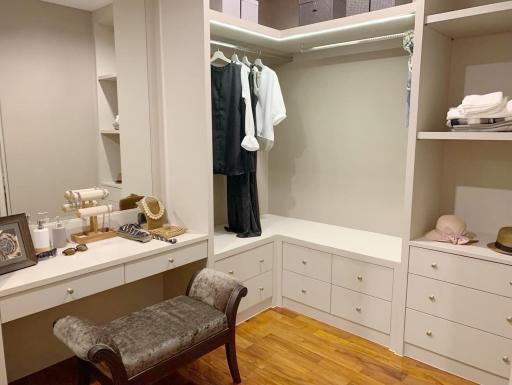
x: 109, y: 132
x: 372, y: 24
x: 476, y: 21
x: 477, y: 250
x: 112, y: 184
x: 449, y: 135
x: 108, y: 77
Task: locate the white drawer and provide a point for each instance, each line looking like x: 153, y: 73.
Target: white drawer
x: 308, y: 262
x: 46, y: 297
x: 248, y: 264
x: 477, y: 274
x: 158, y: 264
x: 485, y: 311
x: 259, y: 289
x: 306, y: 290
x: 470, y: 346
x: 363, y: 277
x: 360, y: 308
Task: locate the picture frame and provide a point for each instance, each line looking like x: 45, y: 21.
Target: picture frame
x: 16, y: 246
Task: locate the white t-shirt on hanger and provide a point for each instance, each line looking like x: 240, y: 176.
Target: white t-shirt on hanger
x: 270, y: 110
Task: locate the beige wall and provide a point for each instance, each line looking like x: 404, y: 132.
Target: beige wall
x: 48, y: 99
x: 339, y: 157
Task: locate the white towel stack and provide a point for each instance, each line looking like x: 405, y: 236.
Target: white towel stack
x: 490, y: 112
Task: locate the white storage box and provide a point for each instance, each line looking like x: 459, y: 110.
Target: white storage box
x: 249, y: 10
x: 381, y: 4
x: 229, y: 7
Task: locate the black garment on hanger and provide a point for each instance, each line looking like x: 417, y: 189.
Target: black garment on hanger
x: 228, y: 121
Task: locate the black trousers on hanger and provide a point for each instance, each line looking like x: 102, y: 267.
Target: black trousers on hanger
x: 243, y: 205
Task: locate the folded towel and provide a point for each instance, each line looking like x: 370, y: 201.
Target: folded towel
x: 473, y: 104
x: 504, y: 111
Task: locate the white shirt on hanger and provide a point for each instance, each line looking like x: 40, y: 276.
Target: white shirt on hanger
x: 270, y: 110
x: 250, y: 143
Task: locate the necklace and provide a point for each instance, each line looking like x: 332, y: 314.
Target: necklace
x: 148, y: 211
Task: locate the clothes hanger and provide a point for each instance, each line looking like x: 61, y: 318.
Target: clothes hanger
x: 219, y: 55
x: 235, y: 58
x: 246, y: 61
x: 258, y: 62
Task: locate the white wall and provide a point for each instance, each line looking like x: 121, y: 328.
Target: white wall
x: 48, y: 97
x: 339, y: 157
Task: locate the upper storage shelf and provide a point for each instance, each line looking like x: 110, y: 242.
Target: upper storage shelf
x: 368, y: 25
x: 476, y: 21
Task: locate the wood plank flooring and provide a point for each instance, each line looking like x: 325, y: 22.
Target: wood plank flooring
x: 280, y: 347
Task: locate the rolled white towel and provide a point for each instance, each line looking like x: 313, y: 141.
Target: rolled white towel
x: 505, y: 111
x: 474, y: 104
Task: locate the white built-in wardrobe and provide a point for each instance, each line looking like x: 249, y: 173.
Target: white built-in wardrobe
x: 351, y: 187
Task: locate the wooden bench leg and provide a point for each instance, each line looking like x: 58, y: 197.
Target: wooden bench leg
x: 84, y: 375
x: 232, y: 361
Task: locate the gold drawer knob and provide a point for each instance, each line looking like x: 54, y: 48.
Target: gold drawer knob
x: 261, y: 288
x: 231, y: 272
x: 304, y: 262
x: 359, y: 309
x: 171, y: 260
x: 509, y: 319
x: 262, y: 260
x: 360, y: 278
x: 304, y: 291
x: 429, y: 333
x: 434, y: 265
x: 506, y: 359
x: 70, y: 291
x: 432, y: 297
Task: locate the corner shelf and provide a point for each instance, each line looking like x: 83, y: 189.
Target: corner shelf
x: 109, y: 132
x: 477, y: 250
x: 449, y: 135
x: 108, y: 77
x: 475, y: 21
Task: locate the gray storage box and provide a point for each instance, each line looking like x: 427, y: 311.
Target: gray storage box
x: 315, y: 11
x: 381, y: 4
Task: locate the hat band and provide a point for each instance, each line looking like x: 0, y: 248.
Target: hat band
x: 503, y: 247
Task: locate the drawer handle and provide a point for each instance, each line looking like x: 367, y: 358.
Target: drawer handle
x: 262, y: 260
x: 231, y: 272
x: 171, y: 260
x: 359, y: 309
x: 261, y: 288
x: 70, y: 291
x: 304, y: 262
x: 360, y: 278
x: 304, y: 291
x: 434, y: 265
x: 429, y: 333
x: 509, y: 319
x: 506, y: 359
x: 432, y: 298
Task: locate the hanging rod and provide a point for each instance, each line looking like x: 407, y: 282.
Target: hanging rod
x: 355, y: 42
x: 248, y: 50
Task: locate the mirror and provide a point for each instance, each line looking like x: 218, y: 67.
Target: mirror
x: 60, y: 101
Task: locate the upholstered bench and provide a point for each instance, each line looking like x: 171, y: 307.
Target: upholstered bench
x: 146, y: 346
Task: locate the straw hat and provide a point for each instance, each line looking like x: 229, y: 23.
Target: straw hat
x: 503, y: 244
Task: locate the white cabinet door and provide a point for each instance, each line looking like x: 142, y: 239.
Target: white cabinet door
x: 259, y: 289
x: 306, y: 290
x: 311, y: 263
x: 248, y: 264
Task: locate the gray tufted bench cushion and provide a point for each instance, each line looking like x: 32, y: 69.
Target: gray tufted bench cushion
x: 147, y: 337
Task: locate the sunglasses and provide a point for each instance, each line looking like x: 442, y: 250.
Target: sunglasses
x: 74, y: 250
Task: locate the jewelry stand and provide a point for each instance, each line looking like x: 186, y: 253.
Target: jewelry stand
x: 152, y: 208
x: 84, y: 203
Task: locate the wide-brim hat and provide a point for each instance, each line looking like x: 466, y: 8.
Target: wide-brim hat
x: 503, y: 243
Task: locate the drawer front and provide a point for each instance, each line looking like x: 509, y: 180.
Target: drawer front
x: 477, y: 274
x: 473, y: 347
x: 306, y: 290
x: 248, y: 264
x: 46, y: 297
x: 259, y: 289
x: 481, y: 310
x: 360, y: 308
x: 158, y: 264
x: 363, y: 277
x: 311, y: 263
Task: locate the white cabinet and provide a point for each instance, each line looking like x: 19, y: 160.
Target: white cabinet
x: 248, y: 264
x: 308, y: 262
x: 308, y: 291
x: 363, y: 277
x: 259, y: 289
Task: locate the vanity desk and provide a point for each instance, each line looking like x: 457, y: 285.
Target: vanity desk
x: 106, y: 265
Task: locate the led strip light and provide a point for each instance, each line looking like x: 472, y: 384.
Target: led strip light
x: 355, y: 42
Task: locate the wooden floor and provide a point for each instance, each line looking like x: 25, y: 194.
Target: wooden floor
x: 280, y: 347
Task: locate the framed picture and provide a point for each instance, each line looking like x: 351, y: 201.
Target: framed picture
x: 16, y: 247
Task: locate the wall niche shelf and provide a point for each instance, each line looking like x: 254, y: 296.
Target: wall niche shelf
x: 449, y: 135
x: 108, y: 77
x: 475, y: 21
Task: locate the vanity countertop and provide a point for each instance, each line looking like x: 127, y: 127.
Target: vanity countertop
x: 101, y: 255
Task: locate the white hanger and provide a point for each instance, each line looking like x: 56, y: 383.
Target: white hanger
x: 258, y: 62
x: 246, y: 61
x: 235, y: 58
x: 219, y: 55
